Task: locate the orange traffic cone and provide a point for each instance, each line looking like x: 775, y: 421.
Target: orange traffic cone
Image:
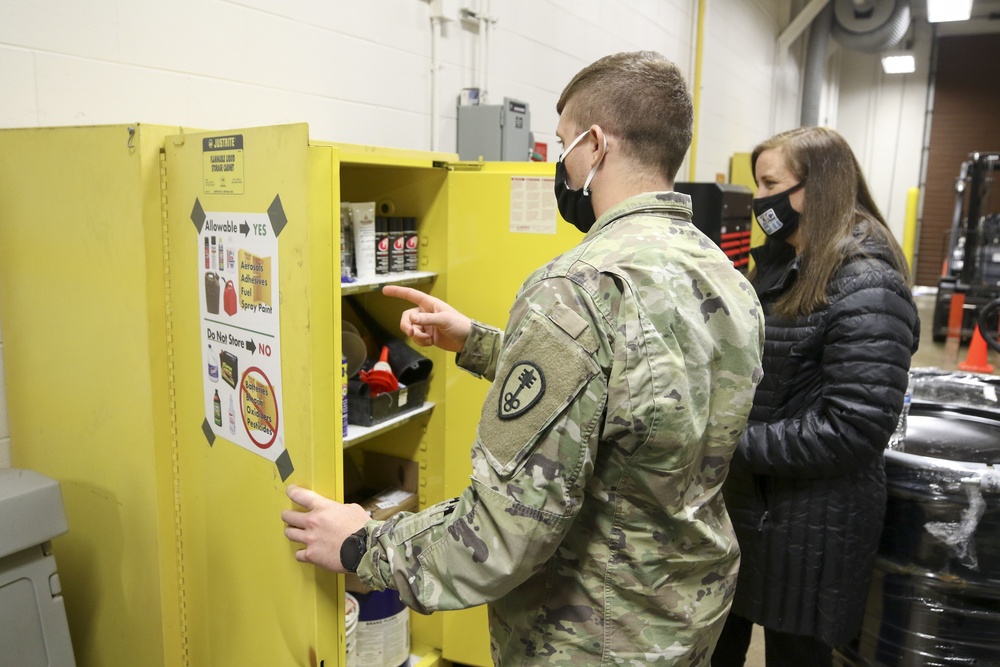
x: 975, y: 360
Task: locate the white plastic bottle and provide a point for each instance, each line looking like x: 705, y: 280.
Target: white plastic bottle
x: 213, y: 365
x: 232, y: 416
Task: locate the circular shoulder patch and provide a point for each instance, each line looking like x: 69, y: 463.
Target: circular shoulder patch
x: 522, y: 389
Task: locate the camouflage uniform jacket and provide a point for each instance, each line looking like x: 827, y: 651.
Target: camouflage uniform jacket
x: 594, y: 524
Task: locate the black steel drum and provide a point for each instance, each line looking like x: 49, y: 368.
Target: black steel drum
x: 935, y: 594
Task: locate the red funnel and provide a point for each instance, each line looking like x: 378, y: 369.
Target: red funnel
x: 380, y: 378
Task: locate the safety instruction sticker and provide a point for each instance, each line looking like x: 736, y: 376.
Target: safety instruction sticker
x: 532, y: 206
x: 240, y: 328
x: 222, y: 164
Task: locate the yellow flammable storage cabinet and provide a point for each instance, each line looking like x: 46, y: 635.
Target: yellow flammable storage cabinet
x: 172, y: 317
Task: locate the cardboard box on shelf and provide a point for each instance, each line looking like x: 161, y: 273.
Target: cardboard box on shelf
x: 384, y: 504
x: 387, y: 484
x: 395, y: 480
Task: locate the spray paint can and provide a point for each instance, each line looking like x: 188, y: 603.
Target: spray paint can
x: 207, y: 266
x: 214, y: 253
x: 397, y: 245
x: 410, y: 241
x: 381, y: 246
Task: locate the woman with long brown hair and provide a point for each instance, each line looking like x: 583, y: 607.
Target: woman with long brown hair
x: 806, y: 487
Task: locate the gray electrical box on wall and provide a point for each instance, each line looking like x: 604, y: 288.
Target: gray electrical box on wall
x: 495, y: 131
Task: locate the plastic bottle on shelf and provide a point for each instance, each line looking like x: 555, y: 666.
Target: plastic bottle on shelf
x: 346, y: 244
x: 343, y: 395
x: 897, y: 440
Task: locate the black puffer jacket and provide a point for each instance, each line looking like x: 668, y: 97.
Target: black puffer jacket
x: 806, y: 489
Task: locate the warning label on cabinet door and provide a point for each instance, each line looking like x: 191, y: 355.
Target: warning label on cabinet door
x: 223, y: 164
x: 240, y: 328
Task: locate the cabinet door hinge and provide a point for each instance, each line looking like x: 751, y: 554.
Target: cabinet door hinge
x: 462, y: 165
x: 172, y: 393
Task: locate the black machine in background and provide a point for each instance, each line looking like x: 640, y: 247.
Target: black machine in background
x: 972, y: 265
x: 722, y: 211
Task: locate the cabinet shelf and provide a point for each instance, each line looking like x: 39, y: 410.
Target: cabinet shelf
x: 424, y: 656
x: 378, y: 282
x: 357, y: 434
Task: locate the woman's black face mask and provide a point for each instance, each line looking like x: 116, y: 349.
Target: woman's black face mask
x: 575, y: 205
x: 775, y: 214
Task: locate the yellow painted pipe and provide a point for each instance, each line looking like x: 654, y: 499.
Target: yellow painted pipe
x: 696, y: 87
x: 910, y: 224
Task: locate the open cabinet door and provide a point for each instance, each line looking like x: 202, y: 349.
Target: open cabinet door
x: 251, y: 296
x: 502, y: 225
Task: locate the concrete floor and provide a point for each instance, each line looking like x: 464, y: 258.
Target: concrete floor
x: 929, y: 354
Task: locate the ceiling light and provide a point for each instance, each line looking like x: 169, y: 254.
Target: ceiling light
x: 899, y: 63
x: 939, y: 11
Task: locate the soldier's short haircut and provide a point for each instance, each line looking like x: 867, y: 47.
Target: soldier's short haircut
x: 642, y: 99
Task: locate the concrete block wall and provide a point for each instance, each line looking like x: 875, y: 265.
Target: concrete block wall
x: 359, y: 72
x: 737, y: 98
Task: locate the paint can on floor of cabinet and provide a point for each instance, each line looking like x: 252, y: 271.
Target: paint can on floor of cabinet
x: 383, y: 630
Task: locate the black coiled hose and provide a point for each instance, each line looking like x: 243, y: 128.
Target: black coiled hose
x: 987, y: 310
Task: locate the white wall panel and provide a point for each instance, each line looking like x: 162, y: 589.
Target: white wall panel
x: 882, y: 117
x: 77, y: 91
x: 18, y: 87
x: 540, y: 21
x: 404, y: 86
x: 278, y: 53
x: 738, y: 83
x: 623, y: 22
x: 390, y: 22
x: 163, y: 36
x: 587, y: 8
x: 88, y: 29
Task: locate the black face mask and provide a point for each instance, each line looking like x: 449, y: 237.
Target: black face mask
x: 575, y: 205
x: 775, y: 214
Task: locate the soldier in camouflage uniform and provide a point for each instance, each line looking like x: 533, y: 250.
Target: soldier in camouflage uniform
x: 594, y: 525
